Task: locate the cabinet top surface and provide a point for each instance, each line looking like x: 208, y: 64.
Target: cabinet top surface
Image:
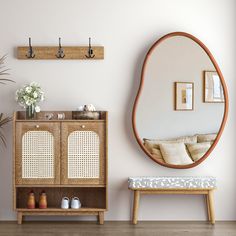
x: 52, y: 116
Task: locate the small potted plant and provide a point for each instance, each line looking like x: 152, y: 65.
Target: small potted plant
x: 29, y: 96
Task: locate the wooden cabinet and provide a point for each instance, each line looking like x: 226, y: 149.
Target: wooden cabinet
x: 64, y: 158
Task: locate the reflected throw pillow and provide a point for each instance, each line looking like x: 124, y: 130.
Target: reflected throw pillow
x: 155, y: 143
x: 201, y: 138
x: 198, y: 150
x: 175, y: 153
x: 156, y: 153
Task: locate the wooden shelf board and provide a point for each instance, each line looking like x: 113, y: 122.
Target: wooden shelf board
x: 82, y: 209
x: 60, y: 186
x: 56, y: 120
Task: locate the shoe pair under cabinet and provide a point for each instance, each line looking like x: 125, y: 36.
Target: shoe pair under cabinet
x: 64, y: 158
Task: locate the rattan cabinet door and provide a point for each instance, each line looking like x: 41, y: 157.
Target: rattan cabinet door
x: 83, y: 153
x: 37, y: 152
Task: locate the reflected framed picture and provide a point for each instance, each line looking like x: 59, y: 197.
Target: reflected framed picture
x: 184, y: 96
x: 213, y: 89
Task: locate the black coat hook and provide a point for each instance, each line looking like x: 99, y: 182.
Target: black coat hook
x: 90, y: 50
x: 60, y: 52
x: 30, y: 53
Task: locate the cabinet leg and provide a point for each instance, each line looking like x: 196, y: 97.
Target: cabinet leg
x: 211, y: 206
x: 101, y: 217
x: 19, y: 218
x: 136, y: 206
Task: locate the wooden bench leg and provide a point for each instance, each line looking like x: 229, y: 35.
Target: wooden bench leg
x: 19, y: 218
x: 211, y: 206
x: 208, y: 208
x: 136, y: 206
x: 101, y: 217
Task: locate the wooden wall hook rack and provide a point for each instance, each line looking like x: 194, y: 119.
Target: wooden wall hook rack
x: 47, y: 53
x: 44, y: 53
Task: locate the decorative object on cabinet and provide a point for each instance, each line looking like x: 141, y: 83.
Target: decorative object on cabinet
x: 199, y: 185
x: 86, y: 115
x: 64, y: 158
x: 175, y: 57
x: 184, y: 96
x: 89, y: 107
x: 86, y: 112
x: 213, y: 90
x: 67, y: 52
x: 60, y: 116
x: 28, y: 97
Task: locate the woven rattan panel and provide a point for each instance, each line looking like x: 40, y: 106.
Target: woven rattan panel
x: 83, y: 155
x: 37, y: 155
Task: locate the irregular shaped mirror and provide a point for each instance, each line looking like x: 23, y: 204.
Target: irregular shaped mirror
x: 182, y: 103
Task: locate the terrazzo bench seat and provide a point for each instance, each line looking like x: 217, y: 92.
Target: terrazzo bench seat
x: 203, y: 185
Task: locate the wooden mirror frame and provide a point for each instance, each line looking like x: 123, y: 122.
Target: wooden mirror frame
x: 139, y: 140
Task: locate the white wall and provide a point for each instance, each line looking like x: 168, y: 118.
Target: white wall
x: 127, y: 29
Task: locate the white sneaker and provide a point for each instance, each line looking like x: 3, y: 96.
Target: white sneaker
x: 75, y: 203
x: 65, y: 203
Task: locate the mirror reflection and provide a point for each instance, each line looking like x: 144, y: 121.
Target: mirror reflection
x: 181, y: 106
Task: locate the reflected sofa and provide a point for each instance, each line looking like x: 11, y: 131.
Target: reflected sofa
x: 180, y: 151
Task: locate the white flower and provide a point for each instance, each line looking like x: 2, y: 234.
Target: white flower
x: 34, y: 84
x: 37, y: 109
x: 28, y: 89
x: 30, y: 94
x: 28, y: 103
x: 35, y: 95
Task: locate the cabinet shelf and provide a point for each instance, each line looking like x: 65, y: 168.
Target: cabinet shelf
x: 61, y: 186
x: 90, y: 197
x: 82, y: 209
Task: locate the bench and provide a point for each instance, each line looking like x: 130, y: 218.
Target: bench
x: 203, y: 185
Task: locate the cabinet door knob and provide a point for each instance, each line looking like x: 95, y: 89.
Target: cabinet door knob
x: 37, y: 126
x: 82, y: 126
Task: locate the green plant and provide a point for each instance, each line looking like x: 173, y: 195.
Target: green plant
x: 3, y: 81
x: 3, y: 121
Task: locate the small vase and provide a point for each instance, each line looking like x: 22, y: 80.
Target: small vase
x: 43, y: 200
x: 31, y: 200
x: 30, y: 112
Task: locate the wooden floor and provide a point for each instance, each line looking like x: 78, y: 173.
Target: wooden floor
x: 118, y: 228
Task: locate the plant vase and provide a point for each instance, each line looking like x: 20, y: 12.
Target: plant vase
x: 30, y: 112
